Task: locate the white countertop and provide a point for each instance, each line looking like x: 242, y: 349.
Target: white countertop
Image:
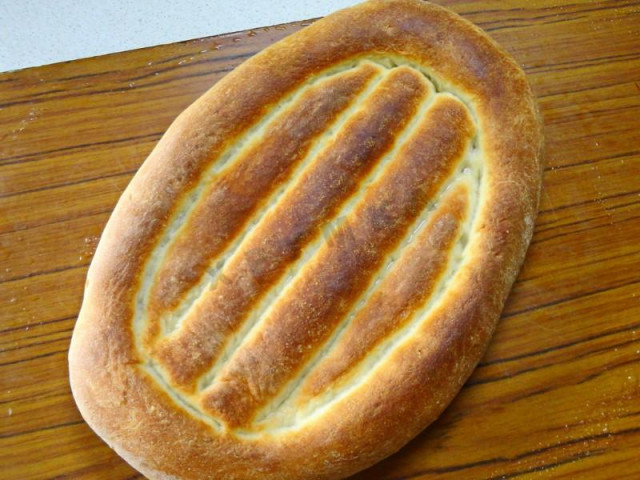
x: 39, y: 32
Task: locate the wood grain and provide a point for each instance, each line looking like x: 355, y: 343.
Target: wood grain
x: 558, y: 393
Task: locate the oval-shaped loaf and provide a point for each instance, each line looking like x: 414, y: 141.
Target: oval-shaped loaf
x: 312, y: 260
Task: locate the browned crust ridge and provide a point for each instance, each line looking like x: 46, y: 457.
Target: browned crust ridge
x: 370, y: 332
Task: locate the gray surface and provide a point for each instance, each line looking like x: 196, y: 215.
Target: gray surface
x: 39, y: 32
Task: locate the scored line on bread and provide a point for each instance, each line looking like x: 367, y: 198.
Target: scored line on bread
x: 314, y: 386
x: 286, y: 237
x: 157, y: 339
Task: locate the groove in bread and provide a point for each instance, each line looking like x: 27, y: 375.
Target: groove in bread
x: 360, y: 374
x: 218, y: 159
x: 389, y: 303
x: 318, y: 299
x: 242, y: 190
x: 280, y: 237
x: 193, y: 298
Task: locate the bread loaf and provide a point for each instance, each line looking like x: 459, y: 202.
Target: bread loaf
x: 312, y: 260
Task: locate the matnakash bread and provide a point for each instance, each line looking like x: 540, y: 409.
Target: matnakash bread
x: 311, y: 262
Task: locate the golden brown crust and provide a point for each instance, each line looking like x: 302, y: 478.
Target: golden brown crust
x: 239, y: 191
x: 396, y: 299
x: 323, y: 294
x: 313, y: 324
x: 278, y: 239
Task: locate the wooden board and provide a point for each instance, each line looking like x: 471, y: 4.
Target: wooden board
x: 558, y: 393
